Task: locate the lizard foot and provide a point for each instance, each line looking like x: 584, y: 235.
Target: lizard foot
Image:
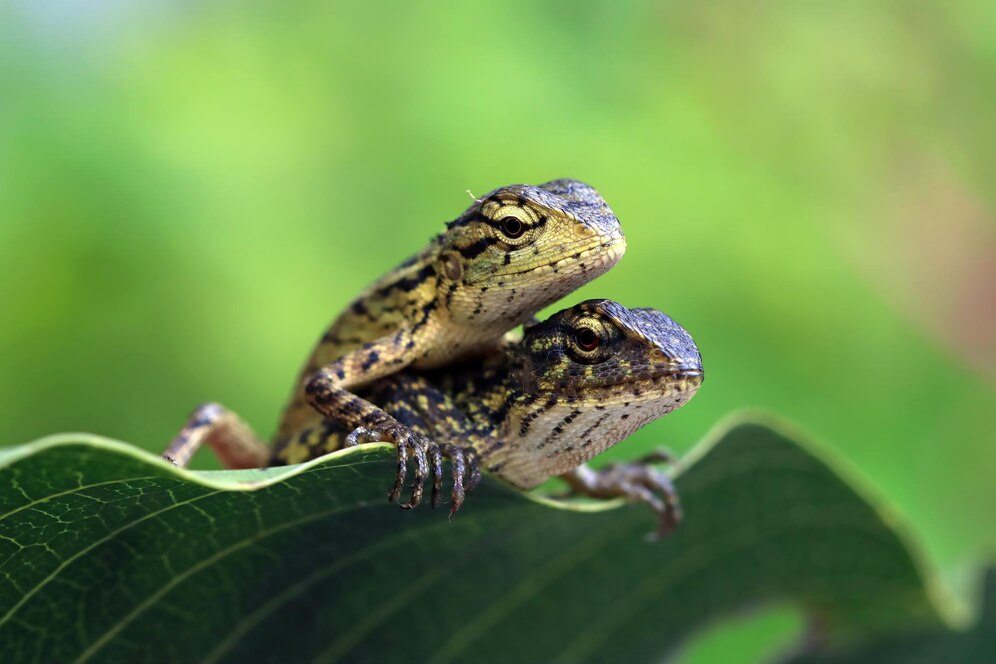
x: 637, y: 482
x: 428, y: 457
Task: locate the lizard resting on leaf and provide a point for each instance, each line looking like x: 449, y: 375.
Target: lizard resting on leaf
x: 575, y: 385
x: 514, y: 251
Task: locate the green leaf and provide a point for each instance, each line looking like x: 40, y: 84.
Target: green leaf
x: 109, y: 554
x: 940, y: 644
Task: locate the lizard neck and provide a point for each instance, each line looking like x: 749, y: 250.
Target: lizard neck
x: 482, y: 388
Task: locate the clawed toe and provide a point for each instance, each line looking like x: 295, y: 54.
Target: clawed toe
x: 428, y: 456
x: 664, y: 501
x: 361, y: 435
x: 458, y: 465
x: 436, y: 455
x: 474, y: 470
x: 399, y: 478
x: 419, y: 450
x: 636, y: 482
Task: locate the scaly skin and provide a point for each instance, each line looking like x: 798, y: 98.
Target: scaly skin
x: 511, y: 253
x: 574, y: 386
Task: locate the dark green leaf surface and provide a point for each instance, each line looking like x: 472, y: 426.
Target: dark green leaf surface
x: 950, y: 646
x: 108, y: 554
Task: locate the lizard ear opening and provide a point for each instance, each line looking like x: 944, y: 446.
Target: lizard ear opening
x: 452, y: 266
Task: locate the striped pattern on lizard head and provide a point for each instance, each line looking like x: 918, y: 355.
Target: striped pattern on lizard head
x: 520, y: 248
x: 586, y: 378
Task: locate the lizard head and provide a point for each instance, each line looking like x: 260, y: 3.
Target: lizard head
x: 588, y: 377
x: 520, y: 248
x: 599, y: 351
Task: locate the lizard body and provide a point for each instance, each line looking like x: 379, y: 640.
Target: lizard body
x: 574, y: 386
x: 511, y: 253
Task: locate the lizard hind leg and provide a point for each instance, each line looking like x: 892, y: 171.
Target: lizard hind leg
x: 233, y: 441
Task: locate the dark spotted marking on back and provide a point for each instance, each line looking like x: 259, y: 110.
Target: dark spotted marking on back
x: 426, y: 313
x: 406, y: 284
x: 499, y: 415
x: 373, y: 357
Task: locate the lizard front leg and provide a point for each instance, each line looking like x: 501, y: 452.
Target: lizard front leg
x: 638, y: 482
x: 329, y: 392
x: 419, y: 405
x: 233, y: 441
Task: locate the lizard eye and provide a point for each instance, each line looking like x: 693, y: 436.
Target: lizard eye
x: 587, y: 340
x: 512, y: 227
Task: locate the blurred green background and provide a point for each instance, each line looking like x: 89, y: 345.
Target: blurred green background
x: 189, y: 192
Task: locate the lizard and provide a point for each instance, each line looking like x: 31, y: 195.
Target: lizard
x: 575, y: 385
x: 514, y: 251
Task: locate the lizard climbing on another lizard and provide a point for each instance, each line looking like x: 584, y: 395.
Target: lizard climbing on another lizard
x: 511, y: 253
x: 575, y: 385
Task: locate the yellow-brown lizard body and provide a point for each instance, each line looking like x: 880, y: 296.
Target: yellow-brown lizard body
x: 514, y: 251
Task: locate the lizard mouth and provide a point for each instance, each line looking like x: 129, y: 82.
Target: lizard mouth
x: 650, y: 385
x: 603, y: 255
x: 667, y: 381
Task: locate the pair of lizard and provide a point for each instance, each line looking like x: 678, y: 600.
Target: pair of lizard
x: 420, y: 360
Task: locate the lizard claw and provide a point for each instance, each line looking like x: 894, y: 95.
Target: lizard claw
x: 464, y: 467
x: 409, y: 444
x: 637, y: 482
x: 361, y: 435
x: 399, y: 478
x: 648, y: 485
x: 418, y: 449
x: 466, y: 473
x: 458, y: 464
x: 437, y: 474
x: 473, y: 468
x: 428, y: 456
